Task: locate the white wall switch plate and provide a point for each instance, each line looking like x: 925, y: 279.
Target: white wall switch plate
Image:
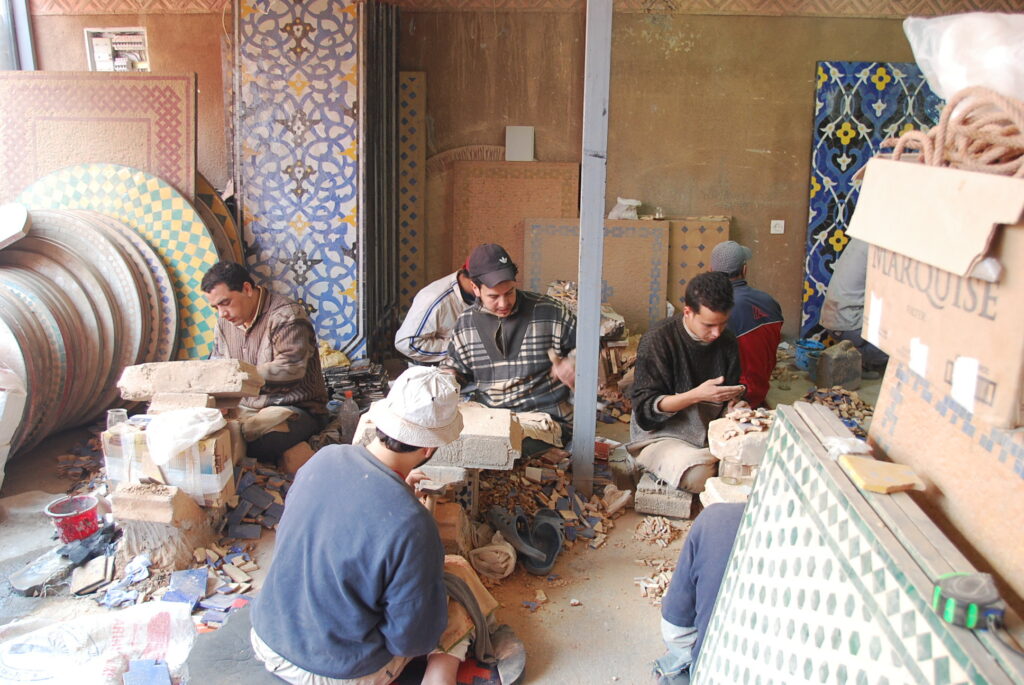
x: 778, y: 226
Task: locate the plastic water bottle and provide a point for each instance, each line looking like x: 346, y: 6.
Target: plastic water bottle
x: 348, y: 417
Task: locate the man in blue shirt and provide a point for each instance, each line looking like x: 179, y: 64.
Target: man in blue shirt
x: 687, y: 606
x: 356, y: 588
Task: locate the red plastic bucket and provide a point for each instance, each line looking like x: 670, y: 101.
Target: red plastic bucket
x: 75, y: 517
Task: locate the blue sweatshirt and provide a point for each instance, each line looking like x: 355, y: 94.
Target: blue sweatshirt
x: 691, y: 595
x: 358, y: 570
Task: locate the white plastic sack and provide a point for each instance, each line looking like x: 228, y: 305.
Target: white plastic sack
x: 838, y: 446
x: 96, y: 649
x: 973, y: 49
x: 624, y: 209
x: 175, y: 431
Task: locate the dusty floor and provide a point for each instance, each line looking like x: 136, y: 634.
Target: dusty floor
x: 611, y: 636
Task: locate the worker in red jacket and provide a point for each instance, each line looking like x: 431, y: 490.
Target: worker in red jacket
x: 755, y: 320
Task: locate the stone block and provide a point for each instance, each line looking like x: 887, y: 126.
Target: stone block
x: 748, y: 448
x: 219, y: 377
x: 164, y: 504
x: 658, y: 499
x: 716, y: 490
x: 453, y: 524
x: 448, y: 475
x: 169, y: 401
x: 839, y: 365
x: 491, y: 439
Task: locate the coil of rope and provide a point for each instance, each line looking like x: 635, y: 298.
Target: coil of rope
x: 978, y: 130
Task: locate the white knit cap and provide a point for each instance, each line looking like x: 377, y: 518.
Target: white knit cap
x: 422, y: 408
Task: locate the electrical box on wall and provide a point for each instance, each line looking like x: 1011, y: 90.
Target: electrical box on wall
x: 117, y: 49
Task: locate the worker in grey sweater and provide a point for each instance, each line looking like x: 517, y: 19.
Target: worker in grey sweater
x: 842, y: 313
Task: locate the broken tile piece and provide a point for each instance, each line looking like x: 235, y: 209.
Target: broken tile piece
x: 236, y: 574
x: 217, y: 602
x: 213, y: 616
x: 245, y: 531
x: 260, y: 498
x: 48, y: 569
x: 146, y: 672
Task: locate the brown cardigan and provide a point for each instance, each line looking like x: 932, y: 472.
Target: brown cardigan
x: 282, y: 345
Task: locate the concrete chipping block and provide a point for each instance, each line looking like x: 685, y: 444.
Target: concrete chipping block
x: 658, y: 499
x: 169, y: 401
x: 156, y: 503
x: 448, y: 475
x: 717, y: 491
x: 727, y: 441
x: 453, y: 524
x: 491, y: 439
x: 839, y: 365
x: 219, y: 377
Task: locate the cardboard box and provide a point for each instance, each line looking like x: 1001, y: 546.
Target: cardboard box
x: 205, y: 471
x: 973, y: 472
x: 945, y: 281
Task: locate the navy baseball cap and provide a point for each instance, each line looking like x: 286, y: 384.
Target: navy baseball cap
x: 491, y: 265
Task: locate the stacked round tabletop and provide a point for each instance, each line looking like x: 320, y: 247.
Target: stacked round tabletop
x: 107, y: 276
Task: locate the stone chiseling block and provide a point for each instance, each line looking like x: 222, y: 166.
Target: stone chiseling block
x: 658, y: 499
x: 491, y: 439
x: 219, y: 377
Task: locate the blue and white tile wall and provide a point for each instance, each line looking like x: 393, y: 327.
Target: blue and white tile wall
x: 296, y: 127
x: 857, y: 105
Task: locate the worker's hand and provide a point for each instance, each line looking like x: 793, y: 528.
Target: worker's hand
x: 738, y: 404
x: 712, y: 390
x: 414, y: 477
x: 563, y: 368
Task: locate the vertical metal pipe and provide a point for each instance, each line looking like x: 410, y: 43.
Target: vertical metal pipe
x: 592, y: 185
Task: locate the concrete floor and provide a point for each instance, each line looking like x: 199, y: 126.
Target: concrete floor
x: 612, y: 636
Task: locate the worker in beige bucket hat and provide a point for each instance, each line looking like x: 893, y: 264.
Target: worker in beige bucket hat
x: 421, y: 409
x: 357, y: 585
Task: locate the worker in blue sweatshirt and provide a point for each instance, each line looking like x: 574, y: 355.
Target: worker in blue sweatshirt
x: 357, y: 585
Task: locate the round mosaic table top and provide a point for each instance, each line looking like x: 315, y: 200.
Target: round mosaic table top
x: 206, y: 194
x: 157, y: 212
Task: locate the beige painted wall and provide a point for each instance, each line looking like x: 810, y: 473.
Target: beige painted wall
x: 179, y: 43
x: 708, y: 115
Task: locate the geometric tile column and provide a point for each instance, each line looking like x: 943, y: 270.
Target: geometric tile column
x: 296, y: 131
x: 412, y: 180
x: 819, y: 590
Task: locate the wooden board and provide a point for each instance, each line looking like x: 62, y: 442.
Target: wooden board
x: 491, y: 199
x: 412, y: 183
x: 634, y: 271
x: 50, y: 120
x: 691, y: 240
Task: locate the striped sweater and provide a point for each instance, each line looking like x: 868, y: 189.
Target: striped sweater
x: 508, y: 357
x: 282, y: 345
